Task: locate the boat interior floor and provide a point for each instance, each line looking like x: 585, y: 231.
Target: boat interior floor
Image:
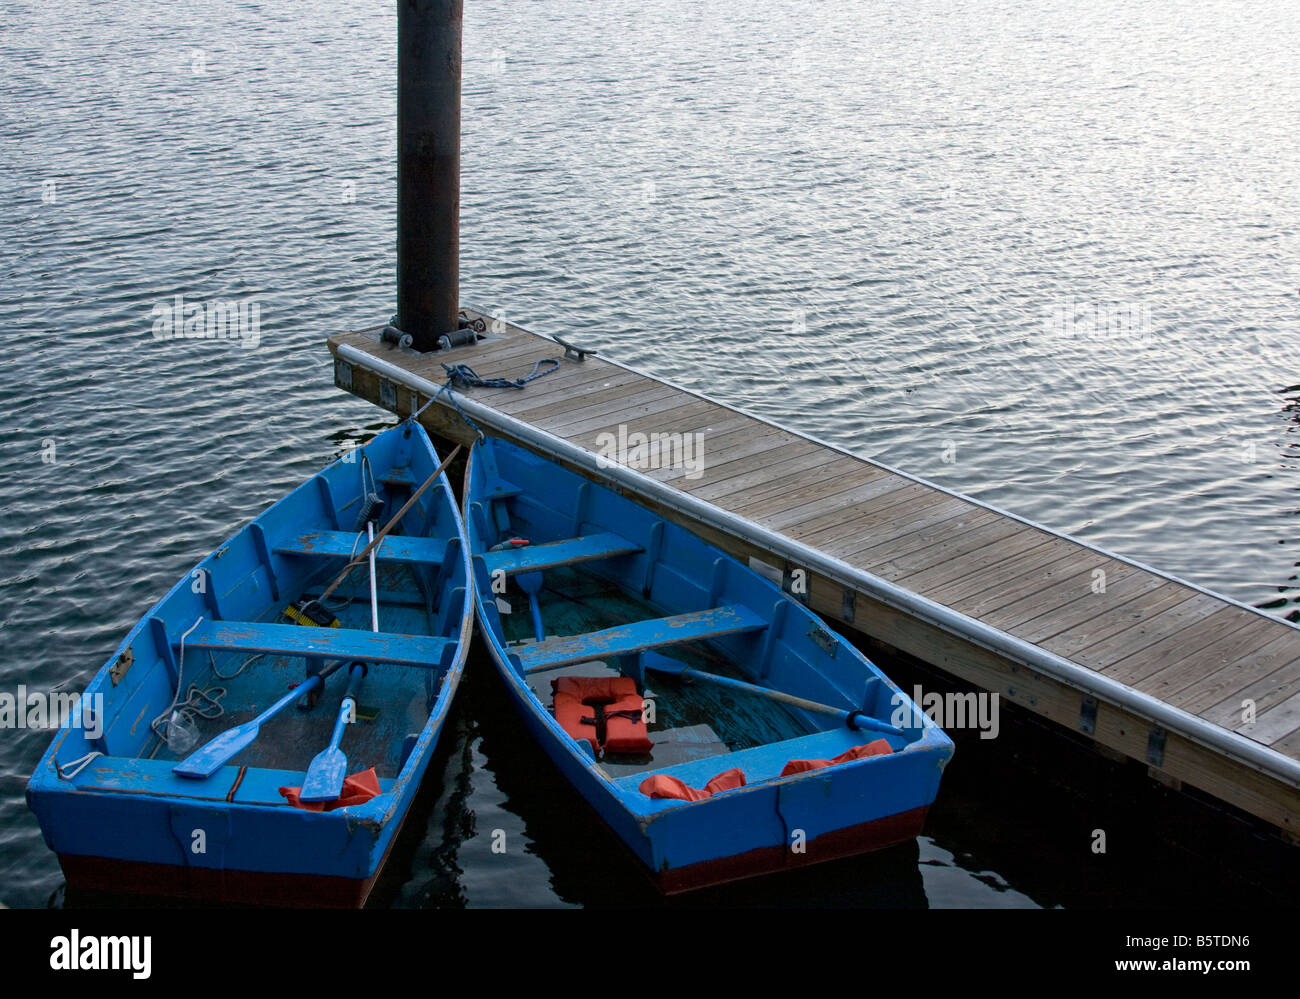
x: 392, y: 700
x: 691, y: 721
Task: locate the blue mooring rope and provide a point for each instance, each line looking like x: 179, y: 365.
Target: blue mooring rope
x: 463, y: 376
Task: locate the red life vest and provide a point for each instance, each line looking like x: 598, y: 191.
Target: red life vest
x: 663, y: 786
x: 357, y: 790
x: 878, y: 748
x: 592, y: 708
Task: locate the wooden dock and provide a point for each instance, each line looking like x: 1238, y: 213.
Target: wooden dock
x: 1202, y: 689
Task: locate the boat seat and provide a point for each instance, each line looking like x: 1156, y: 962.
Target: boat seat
x: 323, y: 643
x: 552, y: 555
x: 402, y: 548
x: 629, y: 638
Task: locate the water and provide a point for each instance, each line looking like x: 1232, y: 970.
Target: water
x: 854, y: 218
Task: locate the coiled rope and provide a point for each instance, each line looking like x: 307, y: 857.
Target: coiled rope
x: 462, y: 376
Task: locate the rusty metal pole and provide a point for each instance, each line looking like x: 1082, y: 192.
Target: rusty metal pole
x: 428, y: 168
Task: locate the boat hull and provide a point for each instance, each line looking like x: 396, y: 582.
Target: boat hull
x: 271, y: 889
x: 122, y: 822
x: 773, y: 822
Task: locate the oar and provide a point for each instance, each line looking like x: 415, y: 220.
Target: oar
x: 531, y: 583
x: 329, y: 767
x: 854, y: 719
x: 377, y: 540
x: 207, y: 760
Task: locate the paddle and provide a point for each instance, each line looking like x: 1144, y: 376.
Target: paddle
x: 329, y: 767
x: 854, y: 719
x: 208, y: 759
x: 324, y: 781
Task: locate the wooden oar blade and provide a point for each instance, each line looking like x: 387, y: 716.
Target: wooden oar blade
x: 207, y: 760
x: 325, y: 776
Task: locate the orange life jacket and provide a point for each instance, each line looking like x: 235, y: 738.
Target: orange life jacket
x: 584, y: 705
x: 663, y: 786
x: 878, y: 748
x: 357, y: 790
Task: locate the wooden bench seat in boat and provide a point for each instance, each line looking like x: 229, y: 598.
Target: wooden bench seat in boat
x: 399, y: 548
x: 552, y: 555
x: 628, y: 638
x: 323, y: 643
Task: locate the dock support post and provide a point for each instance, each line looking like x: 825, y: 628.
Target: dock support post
x: 428, y: 168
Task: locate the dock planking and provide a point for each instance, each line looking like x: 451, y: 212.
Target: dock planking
x: 1228, y: 665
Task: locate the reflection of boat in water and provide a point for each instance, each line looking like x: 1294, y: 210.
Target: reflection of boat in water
x: 262, y: 809
x: 764, y: 742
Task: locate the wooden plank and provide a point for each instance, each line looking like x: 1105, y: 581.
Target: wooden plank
x: 726, y: 489
x: 687, y: 422
x: 512, y: 344
x: 577, y: 410
x: 993, y: 564
x: 1071, y: 574
x: 1134, y: 598
x: 825, y: 509
x: 628, y: 638
x: 639, y: 417
x: 578, y: 388
x: 1063, y: 594
x: 711, y: 431
x: 723, y: 467
x: 323, y: 643
x: 508, y: 358
x: 882, y: 500
x: 1203, y: 647
x: 401, y: 548
x: 799, y: 492
x: 1088, y: 648
x: 911, y: 525
x: 1275, y: 724
x: 1290, y: 746
x: 773, y: 496
x: 553, y: 554
x: 946, y: 555
x: 731, y: 445
x: 952, y: 526
x: 1248, y: 679
x: 923, y: 525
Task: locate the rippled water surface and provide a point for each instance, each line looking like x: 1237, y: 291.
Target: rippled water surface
x: 892, y: 226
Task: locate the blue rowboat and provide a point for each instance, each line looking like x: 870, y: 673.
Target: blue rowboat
x: 178, y: 771
x: 764, y: 741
